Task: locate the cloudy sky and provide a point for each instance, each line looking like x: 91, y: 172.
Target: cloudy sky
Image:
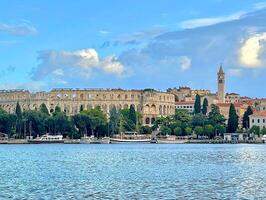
x: 133, y: 44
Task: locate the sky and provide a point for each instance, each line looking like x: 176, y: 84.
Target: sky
x: 133, y: 44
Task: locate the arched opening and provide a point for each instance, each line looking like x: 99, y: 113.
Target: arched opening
x: 152, y: 120
x: 147, y: 121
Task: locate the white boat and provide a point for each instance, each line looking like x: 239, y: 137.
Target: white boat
x: 118, y: 141
x: 47, y: 139
x: 87, y: 140
x: 263, y: 138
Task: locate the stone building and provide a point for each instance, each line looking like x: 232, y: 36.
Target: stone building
x: 221, y: 85
x: 151, y: 104
x: 258, y: 119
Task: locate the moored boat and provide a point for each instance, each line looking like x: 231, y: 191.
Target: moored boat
x: 47, y: 139
x: 118, y: 141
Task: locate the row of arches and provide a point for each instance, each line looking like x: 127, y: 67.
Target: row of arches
x: 75, y: 108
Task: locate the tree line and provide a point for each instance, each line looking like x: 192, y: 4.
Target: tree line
x: 22, y: 124
x: 202, y: 123
x: 207, y: 124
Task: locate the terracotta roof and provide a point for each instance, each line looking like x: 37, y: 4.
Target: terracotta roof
x: 259, y: 114
x: 184, y: 102
x: 239, y: 104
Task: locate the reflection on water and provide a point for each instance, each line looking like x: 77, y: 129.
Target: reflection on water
x: 141, y: 171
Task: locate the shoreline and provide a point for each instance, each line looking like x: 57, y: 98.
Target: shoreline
x: 12, y: 142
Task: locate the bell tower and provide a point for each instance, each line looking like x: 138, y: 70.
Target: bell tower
x: 221, y: 85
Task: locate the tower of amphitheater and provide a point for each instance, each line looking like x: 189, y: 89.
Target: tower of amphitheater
x: 151, y: 104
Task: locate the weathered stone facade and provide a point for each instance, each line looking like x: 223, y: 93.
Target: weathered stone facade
x: 151, y: 104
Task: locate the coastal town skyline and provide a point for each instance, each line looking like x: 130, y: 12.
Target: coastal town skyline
x: 178, y: 45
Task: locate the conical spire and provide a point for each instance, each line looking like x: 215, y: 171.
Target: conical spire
x: 221, y: 71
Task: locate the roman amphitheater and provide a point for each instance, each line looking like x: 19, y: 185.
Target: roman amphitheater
x: 151, y: 104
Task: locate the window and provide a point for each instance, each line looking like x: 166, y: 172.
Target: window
x: 258, y: 120
x: 253, y: 121
x: 263, y: 120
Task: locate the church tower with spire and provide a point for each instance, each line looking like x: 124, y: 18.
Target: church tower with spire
x: 221, y: 85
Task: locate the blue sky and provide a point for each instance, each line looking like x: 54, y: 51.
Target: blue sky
x: 133, y: 44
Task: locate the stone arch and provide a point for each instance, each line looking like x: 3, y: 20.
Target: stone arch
x: 153, y: 120
x: 147, y: 120
x: 111, y: 106
x: 125, y: 106
x: 139, y: 108
x: 160, y: 110
x: 153, y: 108
x: 147, y: 108
x: 133, y: 106
x: 164, y: 110
x: 104, y: 107
x: 89, y: 106
x: 119, y: 107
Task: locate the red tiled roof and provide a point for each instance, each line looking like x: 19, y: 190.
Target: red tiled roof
x: 259, y: 114
x: 238, y: 104
x: 184, y: 102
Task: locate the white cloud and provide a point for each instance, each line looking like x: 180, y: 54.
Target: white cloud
x: 184, y: 62
x: 200, y: 22
x: 75, y: 63
x: 18, y: 29
x: 58, y: 72
x: 249, y: 53
x: 260, y: 5
x: 234, y: 72
x: 111, y: 65
x: 30, y: 85
x: 103, y: 32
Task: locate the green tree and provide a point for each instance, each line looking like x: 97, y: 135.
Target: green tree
x: 245, y: 121
x: 263, y: 131
x: 132, y: 114
x: 126, y: 123
x: 197, y: 105
x: 81, y: 121
x: 199, y: 120
x: 255, y: 130
x: 233, y: 120
x: 209, y: 131
x: 178, y: 131
x: 165, y: 130
x: 18, y: 111
x: 145, y: 130
x: 44, y: 109
x: 220, y: 129
x: 188, y: 130
x: 215, y: 117
x: 19, y: 122
x: 34, y: 123
x: 114, y: 121
x: 182, y: 115
x: 7, y: 123
x: 97, y: 121
x: 198, y: 130
x: 205, y: 106
x: 57, y: 110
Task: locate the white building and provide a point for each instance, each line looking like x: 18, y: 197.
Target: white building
x: 186, y: 105
x: 258, y: 119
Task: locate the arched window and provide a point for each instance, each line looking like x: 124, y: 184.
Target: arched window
x: 147, y: 121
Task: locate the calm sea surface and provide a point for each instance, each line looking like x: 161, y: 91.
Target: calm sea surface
x: 133, y: 171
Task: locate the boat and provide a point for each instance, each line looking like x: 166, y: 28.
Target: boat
x: 72, y: 141
x: 94, y: 140
x: 87, y: 140
x: 47, y: 139
x: 104, y: 140
x: 263, y: 139
x: 118, y: 141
